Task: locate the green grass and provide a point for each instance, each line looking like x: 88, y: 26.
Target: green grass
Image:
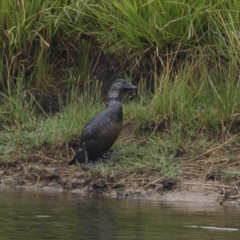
x: 24, y: 129
x: 193, y: 116
x: 231, y: 175
x: 184, y: 55
x: 141, y: 154
x: 52, y: 40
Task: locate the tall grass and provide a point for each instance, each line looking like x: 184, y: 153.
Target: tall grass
x: 41, y: 38
x: 184, y: 54
x: 22, y: 129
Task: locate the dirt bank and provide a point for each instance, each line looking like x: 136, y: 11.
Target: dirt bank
x: 194, y: 184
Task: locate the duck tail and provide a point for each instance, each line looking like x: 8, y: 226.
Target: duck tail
x: 78, y: 158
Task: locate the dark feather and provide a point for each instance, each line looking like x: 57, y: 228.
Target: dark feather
x: 100, y: 133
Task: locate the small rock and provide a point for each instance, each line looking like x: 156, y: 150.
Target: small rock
x: 151, y: 191
x: 113, y: 194
x: 8, y: 182
x: 158, y: 188
x: 143, y: 192
x: 50, y: 169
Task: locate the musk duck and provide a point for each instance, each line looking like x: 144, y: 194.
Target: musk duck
x: 100, y: 133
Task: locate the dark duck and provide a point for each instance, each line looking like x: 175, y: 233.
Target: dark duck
x: 100, y: 133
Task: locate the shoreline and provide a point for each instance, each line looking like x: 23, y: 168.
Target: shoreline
x: 80, y: 181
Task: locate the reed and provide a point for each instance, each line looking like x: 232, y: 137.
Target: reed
x: 45, y: 41
x: 185, y: 52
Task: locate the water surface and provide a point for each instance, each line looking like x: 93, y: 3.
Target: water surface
x: 48, y: 215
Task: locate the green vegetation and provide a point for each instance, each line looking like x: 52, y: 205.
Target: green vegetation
x: 184, y: 55
x: 231, y: 175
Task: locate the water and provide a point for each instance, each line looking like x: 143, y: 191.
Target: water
x: 45, y: 215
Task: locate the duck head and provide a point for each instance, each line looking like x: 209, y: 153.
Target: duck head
x: 118, y: 86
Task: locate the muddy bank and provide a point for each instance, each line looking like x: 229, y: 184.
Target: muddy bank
x: 54, y: 175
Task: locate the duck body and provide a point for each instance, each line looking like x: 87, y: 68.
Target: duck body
x: 100, y: 133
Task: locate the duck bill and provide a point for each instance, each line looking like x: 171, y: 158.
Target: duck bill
x: 128, y: 86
